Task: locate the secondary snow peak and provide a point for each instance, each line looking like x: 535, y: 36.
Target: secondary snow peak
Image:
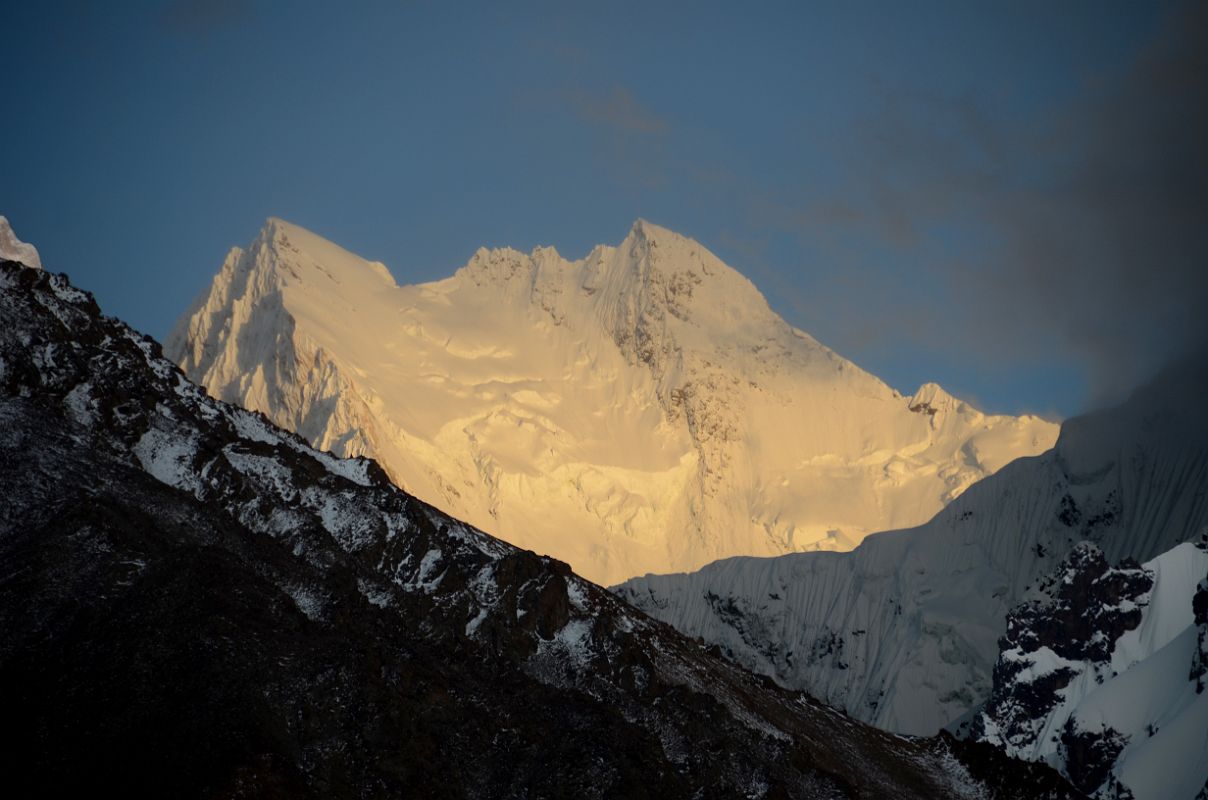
x: 931, y: 399
x: 498, y: 266
x: 13, y: 249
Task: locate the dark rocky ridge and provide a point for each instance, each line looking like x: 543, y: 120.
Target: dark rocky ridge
x: 196, y: 604
x: 1083, y: 607
x: 1067, y: 645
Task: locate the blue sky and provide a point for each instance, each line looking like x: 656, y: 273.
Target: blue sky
x: 880, y: 170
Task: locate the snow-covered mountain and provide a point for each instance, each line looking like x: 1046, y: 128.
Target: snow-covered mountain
x: 195, y: 603
x: 1102, y: 676
x: 902, y: 632
x: 641, y: 409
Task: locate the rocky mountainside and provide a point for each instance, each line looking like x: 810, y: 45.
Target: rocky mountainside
x: 638, y: 410
x: 194, y: 603
x: 903, y: 631
x: 1102, y: 676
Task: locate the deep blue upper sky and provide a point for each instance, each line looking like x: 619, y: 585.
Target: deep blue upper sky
x: 872, y: 167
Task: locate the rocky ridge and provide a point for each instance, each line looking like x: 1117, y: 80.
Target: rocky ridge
x: 194, y: 602
x: 1097, y: 676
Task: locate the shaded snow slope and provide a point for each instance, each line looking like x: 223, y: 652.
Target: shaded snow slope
x: 1098, y: 676
x: 195, y: 603
x: 902, y: 632
x: 641, y: 409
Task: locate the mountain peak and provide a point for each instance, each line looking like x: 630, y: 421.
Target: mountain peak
x: 645, y: 229
x: 277, y: 233
x: 931, y: 398
x: 13, y: 249
x: 684, y: 258
x: 645, y: 232
x: 309, y: 257
x: 484, y: 391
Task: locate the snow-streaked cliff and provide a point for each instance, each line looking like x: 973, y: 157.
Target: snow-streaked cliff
x: 641, y: 409
x: 903, y: 631
x: 1099, y: 677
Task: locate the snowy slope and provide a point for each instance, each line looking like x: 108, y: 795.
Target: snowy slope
x: 195, y: 603
x: 903, y: 631
x: 1098, y: 677
x: 641, y: 409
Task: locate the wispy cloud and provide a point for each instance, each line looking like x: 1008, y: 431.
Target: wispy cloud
x: 620, y: 133
x: 617, y: 109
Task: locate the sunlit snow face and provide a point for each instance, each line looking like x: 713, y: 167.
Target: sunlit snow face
x: 639, y: 410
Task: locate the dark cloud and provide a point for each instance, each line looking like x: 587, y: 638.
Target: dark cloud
x: 1118, y: 243
x: 1091, y: 228
x: 203, y: 17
